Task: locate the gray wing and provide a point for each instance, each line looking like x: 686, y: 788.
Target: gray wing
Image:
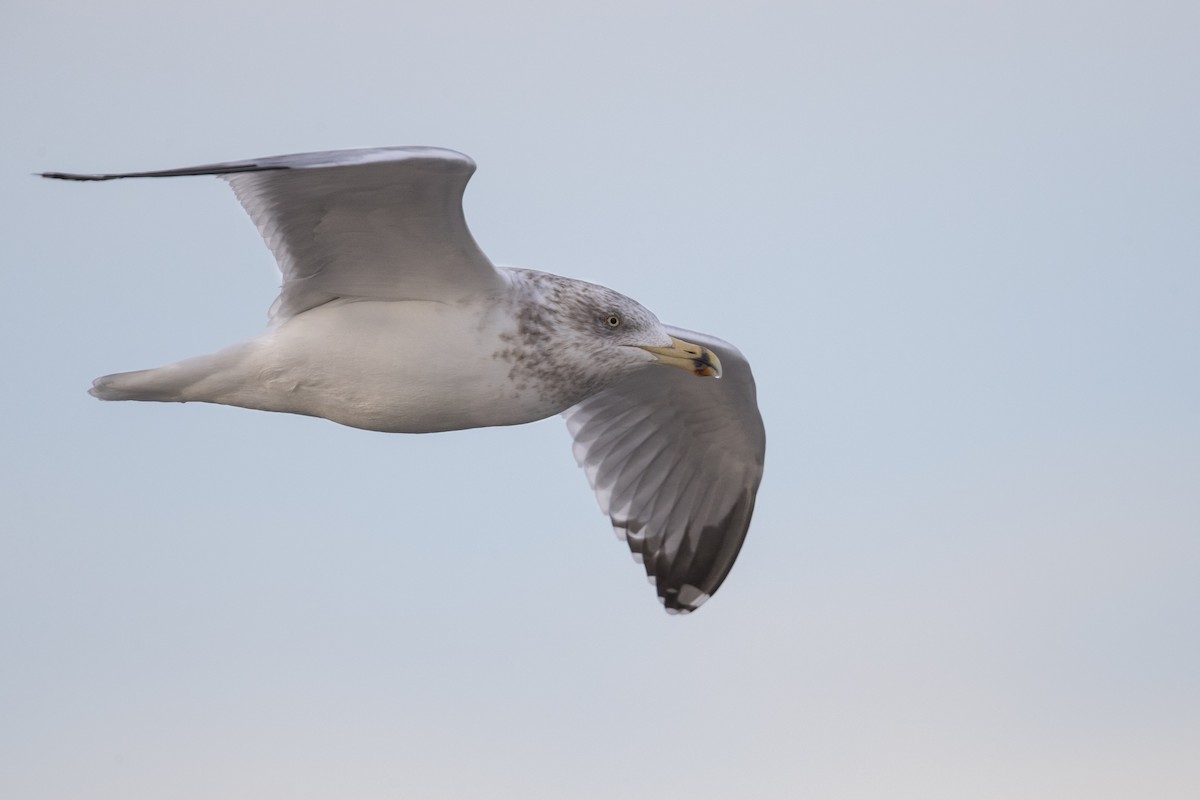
x: 373, y: 223
x: 676, y: 461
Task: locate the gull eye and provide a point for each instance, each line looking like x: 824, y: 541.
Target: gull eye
x: 613, y: 321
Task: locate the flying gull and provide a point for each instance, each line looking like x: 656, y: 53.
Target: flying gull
x: 390, y: 318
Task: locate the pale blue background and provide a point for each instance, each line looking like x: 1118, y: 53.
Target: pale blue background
x: 960, y: 243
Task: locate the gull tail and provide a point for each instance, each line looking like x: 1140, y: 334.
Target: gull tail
x: 144, y: 384
x: 211, y: 378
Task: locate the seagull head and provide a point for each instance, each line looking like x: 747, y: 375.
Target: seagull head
x: 619, y: 334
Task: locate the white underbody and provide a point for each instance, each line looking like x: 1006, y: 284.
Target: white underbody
x: 412, y: 366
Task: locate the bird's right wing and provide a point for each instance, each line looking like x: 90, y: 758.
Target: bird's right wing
x: 382, y: 223
x: 675, y: 461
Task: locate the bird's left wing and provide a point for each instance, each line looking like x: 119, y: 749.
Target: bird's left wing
x: 676, y: 462
x: 380, y: 223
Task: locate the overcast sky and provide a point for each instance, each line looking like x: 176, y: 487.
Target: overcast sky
x: 959, y: 243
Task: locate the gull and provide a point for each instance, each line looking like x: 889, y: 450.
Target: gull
x: 390, y: 318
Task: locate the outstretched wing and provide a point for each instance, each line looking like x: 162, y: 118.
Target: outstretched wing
x: 381, y: 223
x: 675, y: 462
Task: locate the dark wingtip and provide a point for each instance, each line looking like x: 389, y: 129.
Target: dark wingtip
x: 70, y: 176
x: 214, y: 169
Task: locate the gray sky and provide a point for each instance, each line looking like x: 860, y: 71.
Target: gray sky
x: 958, y: 242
